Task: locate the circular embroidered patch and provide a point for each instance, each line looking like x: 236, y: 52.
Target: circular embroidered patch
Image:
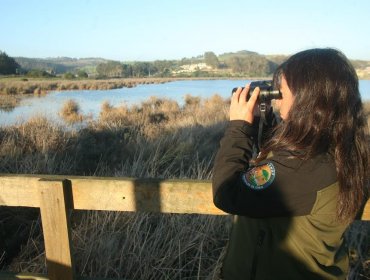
x: 259, y: 177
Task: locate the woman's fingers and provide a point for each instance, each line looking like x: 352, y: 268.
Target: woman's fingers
x: 243, y: 94
x: 236, y: 95
x: 253, y: 99
x: 241, y: 108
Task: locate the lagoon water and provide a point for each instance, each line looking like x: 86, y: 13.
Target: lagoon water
x: 90, y: 101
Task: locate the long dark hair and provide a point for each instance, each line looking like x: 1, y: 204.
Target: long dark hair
x: 327, y: 117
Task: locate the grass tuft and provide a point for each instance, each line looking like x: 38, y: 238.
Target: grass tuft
x: 70, y: 112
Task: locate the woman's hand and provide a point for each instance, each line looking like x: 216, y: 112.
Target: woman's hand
x: 240, y: 108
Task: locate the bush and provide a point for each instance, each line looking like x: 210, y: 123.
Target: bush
x: 69, y: 76
x: 82, y: 74
x: 70, y: 112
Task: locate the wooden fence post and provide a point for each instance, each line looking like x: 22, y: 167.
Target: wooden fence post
x: 55, y: 201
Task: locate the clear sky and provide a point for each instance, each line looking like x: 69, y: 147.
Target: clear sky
x: 146, y: 30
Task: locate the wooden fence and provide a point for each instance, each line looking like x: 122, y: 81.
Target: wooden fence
x: 56, y: 195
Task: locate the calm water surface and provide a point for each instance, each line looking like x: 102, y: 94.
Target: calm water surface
x: 90, y: 101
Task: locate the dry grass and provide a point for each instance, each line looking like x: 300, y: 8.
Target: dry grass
x: 138, y: 245
x: 155, y: 139
x: 8, y: 102
x: 70, y: 112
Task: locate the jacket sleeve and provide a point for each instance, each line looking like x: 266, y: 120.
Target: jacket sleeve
x: 282, y: 185
x: 232, y: 158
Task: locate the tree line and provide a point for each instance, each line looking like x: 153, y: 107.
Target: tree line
x: 114, y: 69
x: 240, y: 63
x: 8, y: 65
x: 251, y: 64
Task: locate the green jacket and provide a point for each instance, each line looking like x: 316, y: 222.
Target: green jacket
x: 285, y: 225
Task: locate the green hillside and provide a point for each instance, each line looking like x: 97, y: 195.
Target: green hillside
x: 60, y: 65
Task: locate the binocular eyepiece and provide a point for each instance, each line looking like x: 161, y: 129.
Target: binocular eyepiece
x: 267, y: 92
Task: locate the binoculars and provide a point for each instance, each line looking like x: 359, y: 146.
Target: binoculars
x: 267, y: 92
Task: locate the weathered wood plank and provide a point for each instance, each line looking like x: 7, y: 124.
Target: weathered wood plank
x: 19, y: 190
x: 121, y: 194
x: 166, y: 196
x: 118, y: 194
x: 56, y: 229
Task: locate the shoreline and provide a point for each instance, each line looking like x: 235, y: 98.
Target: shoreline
x: 25, y: 86
x: 36, y: 86
x: 14, y: 89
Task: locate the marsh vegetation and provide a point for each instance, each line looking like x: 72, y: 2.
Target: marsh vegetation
x: 10, y: 86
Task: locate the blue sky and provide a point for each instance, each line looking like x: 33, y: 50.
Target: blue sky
x: 148, y: 30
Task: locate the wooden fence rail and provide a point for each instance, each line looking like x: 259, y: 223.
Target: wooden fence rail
x: 56, y: 195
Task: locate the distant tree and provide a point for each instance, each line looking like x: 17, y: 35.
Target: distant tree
x: 235, y: 64
x: 127, y: 70
x: 185, y: 61
x: 69, y: 76
x: 165, y: 73
x: 142, y: 69
x: 100, y: 69
x: 110, y: 69
x: 211, y: 59
x: 163, y: 67
x: 251, y: 64
x: 82, y: 74
x: 8, y: 65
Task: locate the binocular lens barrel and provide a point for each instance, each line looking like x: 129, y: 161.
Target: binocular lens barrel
x: 267, y: 92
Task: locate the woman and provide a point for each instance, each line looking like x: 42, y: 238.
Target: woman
x: 294, y: 203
